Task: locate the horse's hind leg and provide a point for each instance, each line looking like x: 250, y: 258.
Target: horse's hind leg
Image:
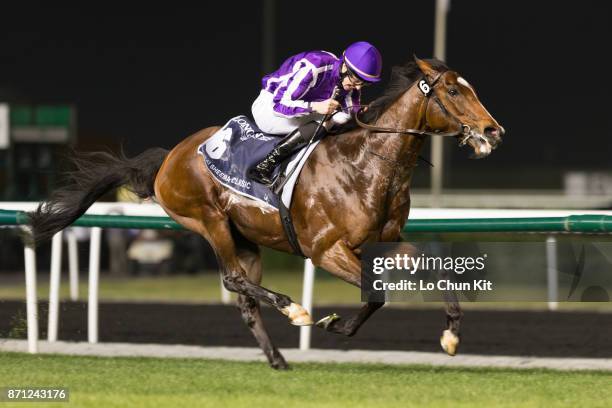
x: 250, y: 260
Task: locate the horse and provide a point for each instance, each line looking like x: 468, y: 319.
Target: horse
x: 353, y: 190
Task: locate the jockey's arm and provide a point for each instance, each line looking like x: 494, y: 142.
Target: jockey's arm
x: 326, y: 107
x: 287, y: 101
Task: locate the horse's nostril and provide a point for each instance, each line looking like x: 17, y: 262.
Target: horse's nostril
x: 491, y: 131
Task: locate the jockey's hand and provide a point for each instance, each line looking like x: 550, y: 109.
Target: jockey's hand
x: 325, y: 107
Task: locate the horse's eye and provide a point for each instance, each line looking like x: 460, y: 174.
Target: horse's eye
x: 453, y: 92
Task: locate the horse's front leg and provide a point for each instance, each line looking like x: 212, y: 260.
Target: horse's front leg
x: 450, y: 337
x: 216, y: 229
x: 340, y: 261
x: 334, y: 323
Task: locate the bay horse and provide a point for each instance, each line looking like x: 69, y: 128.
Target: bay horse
x: 354, y: 189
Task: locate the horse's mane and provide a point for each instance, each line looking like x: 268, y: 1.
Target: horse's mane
x: 402, y: 78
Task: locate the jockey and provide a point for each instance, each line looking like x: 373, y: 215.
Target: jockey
x: 306, y: 87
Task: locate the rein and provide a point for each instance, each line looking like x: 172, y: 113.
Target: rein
x: 427, y: 91
x: 408, y: 131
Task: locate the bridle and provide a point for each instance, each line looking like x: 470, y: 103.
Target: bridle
x: 427, y: 89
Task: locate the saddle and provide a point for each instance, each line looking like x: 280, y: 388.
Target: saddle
x: 239, y: 145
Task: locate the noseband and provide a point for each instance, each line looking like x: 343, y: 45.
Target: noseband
x: 427, y: 90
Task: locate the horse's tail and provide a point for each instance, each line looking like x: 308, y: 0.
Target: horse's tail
x: 95, y: 174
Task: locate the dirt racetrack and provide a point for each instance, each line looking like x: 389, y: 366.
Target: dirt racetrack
x: 526, y: 333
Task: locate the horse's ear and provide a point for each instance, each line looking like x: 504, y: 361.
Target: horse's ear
x: 426, y: 68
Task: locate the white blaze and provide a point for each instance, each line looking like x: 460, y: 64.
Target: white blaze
x: 463, y: 82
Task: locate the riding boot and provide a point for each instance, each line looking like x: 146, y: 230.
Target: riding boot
x: 262, y: 172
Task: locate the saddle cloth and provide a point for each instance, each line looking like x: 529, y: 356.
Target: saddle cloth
x: 240, y: 144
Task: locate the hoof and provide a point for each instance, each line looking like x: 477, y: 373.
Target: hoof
x: 327, y: 320
x: 298, y: 316
x: 449, y: 342
x: 280, y: 365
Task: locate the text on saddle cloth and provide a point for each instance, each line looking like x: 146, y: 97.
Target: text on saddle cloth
x: 239, y: 145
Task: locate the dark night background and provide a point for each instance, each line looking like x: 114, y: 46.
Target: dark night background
x: 149, y: 75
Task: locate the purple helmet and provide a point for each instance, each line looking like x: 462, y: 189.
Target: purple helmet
x: 364, y: 60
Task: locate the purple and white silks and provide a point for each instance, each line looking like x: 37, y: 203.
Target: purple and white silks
x: 307, y: 77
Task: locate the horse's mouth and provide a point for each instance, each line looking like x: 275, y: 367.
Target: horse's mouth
x: 479, y: 143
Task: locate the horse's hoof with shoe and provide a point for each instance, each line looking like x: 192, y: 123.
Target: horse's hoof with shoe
x: 298, y: 316
x: 325, y: 322
x: 278, y: 362
x: 449, y: 342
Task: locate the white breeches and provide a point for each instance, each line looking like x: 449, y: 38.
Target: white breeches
x: 271, y: 122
